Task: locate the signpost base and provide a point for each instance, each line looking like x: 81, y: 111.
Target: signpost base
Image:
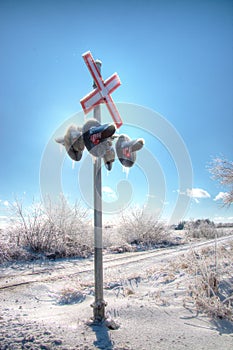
x: 99, y: 311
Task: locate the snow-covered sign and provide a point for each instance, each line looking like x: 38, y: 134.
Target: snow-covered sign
x: 102, y: 91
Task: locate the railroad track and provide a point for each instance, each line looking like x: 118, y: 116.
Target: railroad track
x: 127, y: 262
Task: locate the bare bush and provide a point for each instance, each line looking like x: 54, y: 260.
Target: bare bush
x: 139, y: 228
x: 55, y: 231
x: 201, y: 229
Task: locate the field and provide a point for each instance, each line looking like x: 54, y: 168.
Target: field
x: 176, y: 295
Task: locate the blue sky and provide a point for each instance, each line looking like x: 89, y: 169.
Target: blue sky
x: 173, y: 57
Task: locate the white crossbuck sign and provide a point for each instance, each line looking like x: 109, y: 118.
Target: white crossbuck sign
x: 102, y: 91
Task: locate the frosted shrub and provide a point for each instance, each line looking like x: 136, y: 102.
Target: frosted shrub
x: 201, y: 229
x: 138, y: 227
x: 4, y: 252
x: 10, y: 250
x: 57, y: 231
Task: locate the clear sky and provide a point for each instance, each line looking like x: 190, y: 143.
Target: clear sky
x: 174, y: 59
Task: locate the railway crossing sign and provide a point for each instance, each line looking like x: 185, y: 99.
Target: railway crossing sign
x: 97, y: 138
x: 102, y: 91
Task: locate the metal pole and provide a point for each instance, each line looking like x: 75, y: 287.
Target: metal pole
x: 99, y: 304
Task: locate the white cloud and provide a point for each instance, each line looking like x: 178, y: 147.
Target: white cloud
x: 220, y: 196
x: 109, y: 192
x: 4, y: 202
x: 197, y: 193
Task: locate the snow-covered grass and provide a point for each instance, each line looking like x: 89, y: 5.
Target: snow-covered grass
x: 212, y: 287
x: 209, y: 272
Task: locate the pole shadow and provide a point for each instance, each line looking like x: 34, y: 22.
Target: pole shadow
x: 103, y: 340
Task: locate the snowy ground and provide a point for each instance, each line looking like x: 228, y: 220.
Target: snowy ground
x: 144, y: 295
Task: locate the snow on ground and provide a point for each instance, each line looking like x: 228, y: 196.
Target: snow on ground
x: 46, y: 305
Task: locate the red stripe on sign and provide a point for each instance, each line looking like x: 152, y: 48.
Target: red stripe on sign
x: 113, y: 111
x: 89, y: 60
x: 95, y: 74
x: 87, y: 110
x: 85, y: 101
x: 84, y: 108
x: 112, y: 83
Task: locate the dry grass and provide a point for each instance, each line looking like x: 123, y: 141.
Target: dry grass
x: 70, y: 296
x: 212, y: 287
x: 204, y: 275
x: 211, y: 283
